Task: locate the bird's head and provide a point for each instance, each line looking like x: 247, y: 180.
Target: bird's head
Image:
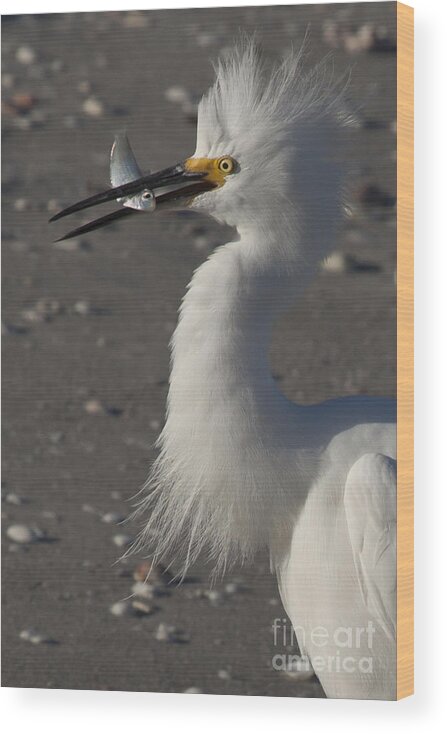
x: 266, y: 151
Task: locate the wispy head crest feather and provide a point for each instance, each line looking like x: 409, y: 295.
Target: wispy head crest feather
x: 247, y: 96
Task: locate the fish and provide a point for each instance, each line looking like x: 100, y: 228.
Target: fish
x: 124, y: 169
x: 136, y: 192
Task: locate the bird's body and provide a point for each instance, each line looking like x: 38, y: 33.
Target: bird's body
x: 248, y: 469
x: 240, y: 467
x: 337, y: 627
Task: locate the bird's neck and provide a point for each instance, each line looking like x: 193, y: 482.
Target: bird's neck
x: 220, y: 348
x: 218, y: 478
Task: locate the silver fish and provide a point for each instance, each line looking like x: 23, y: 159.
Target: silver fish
x: 124, y: 169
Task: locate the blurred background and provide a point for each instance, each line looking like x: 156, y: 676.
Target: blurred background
x: 86, y: 326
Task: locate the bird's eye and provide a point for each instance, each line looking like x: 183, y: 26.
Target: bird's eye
x: 226, y: 165
x: 147, y: 194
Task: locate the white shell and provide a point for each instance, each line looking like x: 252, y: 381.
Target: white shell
x: 122, y: 540
x: 144, y: 591
x: 112, y: 518
x: 122, y: 608
x: 36, y: 638
x: 22, y: 534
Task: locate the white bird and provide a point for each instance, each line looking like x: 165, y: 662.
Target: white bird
x: 240, y: 467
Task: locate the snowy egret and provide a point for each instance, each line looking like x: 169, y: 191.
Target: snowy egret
x: 240, y: 467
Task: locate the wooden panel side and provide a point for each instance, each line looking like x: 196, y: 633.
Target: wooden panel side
x: 405, y: 353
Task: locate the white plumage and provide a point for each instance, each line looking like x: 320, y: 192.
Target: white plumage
x: 240, y: 467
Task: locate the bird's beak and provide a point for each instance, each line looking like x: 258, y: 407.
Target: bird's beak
x: 165, y: 188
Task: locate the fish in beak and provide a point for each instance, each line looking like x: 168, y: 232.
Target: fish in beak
x: 169, y: 188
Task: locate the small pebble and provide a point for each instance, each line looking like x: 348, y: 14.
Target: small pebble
x: 145, y: 591
x: 25, y: 55
x: 44, y: 310
x: 13, y: 499
x: 224, y: 674
x: 82, y: 308
x: 155, y: 573
x: 20, y: 205
x: 195, y: 594
x: 335, y: 263
x: 93, y: 107
x: 112, y: 518
x: 168, y: 633
x: 94, y: 407
x: 121, y: 540
x: 122, y: 608
x: 165, y: 633
x: 36, y: 638
x: 20, y: 104
x: 193, y: 689
x: 142, y: 608
x: 362, y: 40
x: 142, y: 571
x: 365, y: 38
x: 176, y: 94
x: 232, y: 588
x: 90, y: 509
x: 214, y: 597
x: 23, y: 534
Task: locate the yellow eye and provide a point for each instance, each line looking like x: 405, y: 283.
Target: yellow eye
x: 226, y: 165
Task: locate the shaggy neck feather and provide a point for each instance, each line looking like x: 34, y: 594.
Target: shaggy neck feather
x: 219, y: 480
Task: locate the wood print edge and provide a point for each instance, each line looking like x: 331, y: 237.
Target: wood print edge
x: 405, y: 352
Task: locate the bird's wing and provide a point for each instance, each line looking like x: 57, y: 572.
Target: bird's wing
x: 370, y: 504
